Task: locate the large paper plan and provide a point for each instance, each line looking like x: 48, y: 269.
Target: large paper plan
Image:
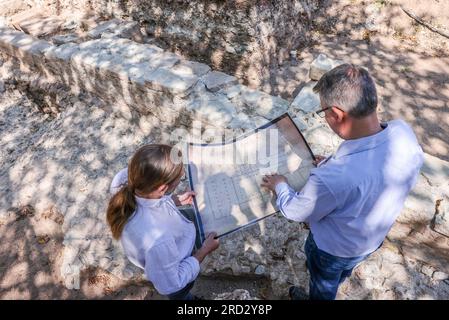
x: 227, y: 176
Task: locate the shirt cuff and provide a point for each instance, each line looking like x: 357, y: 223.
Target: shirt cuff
x: 195, y: 264
x: 281, y: 188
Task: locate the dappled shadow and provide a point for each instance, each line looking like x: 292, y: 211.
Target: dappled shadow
x: 412, y: 84
x: 31, y: 249
x: 412, y: 264
x: 68, y: 163
x: 70, y: 166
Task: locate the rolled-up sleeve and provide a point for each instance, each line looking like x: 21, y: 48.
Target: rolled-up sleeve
x: 167, y: 270
x: 314, y: 202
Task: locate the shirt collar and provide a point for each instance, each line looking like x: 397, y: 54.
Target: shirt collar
x: 362, y: 144
x: 144, y: 202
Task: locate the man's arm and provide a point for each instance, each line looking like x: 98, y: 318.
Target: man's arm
x: 314, y: 202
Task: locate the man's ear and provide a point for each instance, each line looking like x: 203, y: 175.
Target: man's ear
x: 339, y: 114
x: 162, y: 189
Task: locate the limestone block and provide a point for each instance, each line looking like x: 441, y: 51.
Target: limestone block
x: 192, y: 68
x: 57, y: 62
x: 121, y: 47
x: 86, y: 65
x: 321, y: 65
x: 431, y: 186
x: 322, y: 135
x: 18, y: 43
x: 307, y: 101
x: 245, y: 122
x: 63, y: 52
x: 441, y: 223
x: 165, y: 61
x: 64, y: 38
x: 232, y: 91
x: 300, y: 123
x: 125, y: 58
x: 421, y: 201
x: 215, y: 110
x: 175, y: 82
x: 216, y: 80
x: 263, y: 104
x: 117, y: 28
x: 435, y: 169
x: 35, y: 23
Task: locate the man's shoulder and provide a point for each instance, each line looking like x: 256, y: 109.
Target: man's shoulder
x: 401, y: 135
x: 401, y: 129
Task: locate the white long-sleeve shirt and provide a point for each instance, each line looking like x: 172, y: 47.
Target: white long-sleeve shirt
x: 160, y: 240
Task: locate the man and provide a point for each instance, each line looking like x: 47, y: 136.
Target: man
x: 353, y: 197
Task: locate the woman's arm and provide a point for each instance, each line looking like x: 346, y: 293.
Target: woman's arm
x: 167, y: 269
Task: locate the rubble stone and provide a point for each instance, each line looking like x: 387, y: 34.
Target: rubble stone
x: 441, y: 223
x: 117, y: 28
x: 307, y: 101
x: 63, y: 39
x: 238, y: 294
x: 321, y: 65
x: 216, y: 80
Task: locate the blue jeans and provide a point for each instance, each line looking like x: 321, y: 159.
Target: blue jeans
x: 327, y: 272
x: 183, y: 294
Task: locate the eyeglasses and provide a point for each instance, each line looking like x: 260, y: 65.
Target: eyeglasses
x: 321, y: 112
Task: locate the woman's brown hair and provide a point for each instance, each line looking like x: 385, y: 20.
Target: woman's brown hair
x: 150, y: 167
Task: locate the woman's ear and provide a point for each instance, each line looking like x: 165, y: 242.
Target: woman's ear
x: 162, y: 189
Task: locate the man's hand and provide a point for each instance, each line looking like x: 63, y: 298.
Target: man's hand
x: 317, y: 160
x: 209, y: 245
x: 183, y: 199
x: 270, y: 181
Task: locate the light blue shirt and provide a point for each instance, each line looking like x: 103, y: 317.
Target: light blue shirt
x: 352, y: 198
x: 160, y: 240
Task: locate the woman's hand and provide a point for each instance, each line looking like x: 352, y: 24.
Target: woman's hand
x: 183, y: 199
x: 209, y: 245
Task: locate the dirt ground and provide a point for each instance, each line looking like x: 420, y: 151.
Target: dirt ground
x: 409, y: 63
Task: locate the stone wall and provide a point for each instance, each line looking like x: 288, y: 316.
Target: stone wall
x: 239, y: 37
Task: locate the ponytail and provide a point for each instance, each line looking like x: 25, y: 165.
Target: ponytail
x: 120, y: 208
x: 150, y: 167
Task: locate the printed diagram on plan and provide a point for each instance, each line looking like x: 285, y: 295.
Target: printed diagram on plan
x: 227, y: 176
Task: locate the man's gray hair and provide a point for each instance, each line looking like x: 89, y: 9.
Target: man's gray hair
x: 349, y: 88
